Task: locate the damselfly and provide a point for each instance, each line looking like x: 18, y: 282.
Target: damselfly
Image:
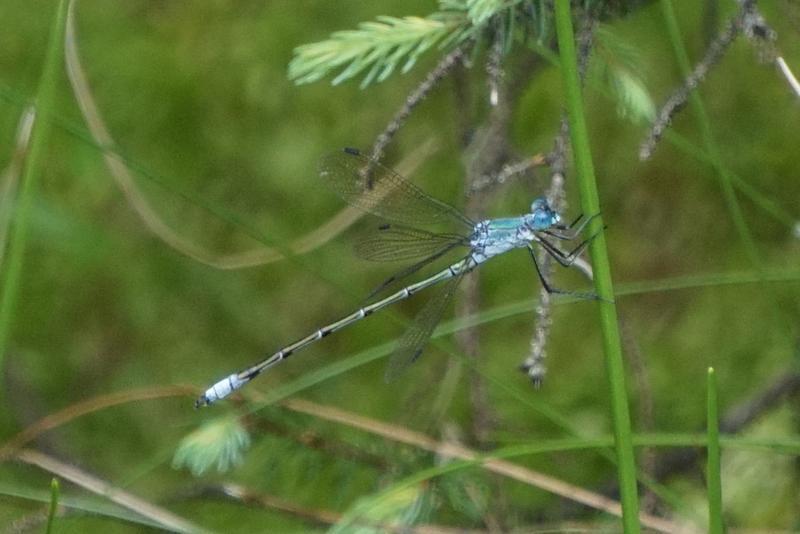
x: 368, y: 185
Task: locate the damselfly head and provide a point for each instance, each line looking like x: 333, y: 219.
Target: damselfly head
x: 539, y: 203
x: 542, y: 216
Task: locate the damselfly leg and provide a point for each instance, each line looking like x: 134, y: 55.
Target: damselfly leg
x: 568, y: 233
x: 565, y: 259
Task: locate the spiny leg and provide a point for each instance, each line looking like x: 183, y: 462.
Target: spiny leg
x: 547, y: 287
x: 551, y: 289
x: 566, y: 259
x: 572, y: 224
x: 569, y: 233
x: 542, y: 279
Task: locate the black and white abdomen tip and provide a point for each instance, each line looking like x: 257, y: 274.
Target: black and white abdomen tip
x: 220, y: 390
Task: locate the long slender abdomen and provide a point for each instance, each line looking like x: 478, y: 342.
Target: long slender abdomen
x: 231, y: 383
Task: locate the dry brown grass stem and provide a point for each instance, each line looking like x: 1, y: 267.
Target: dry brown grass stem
x: 12, y: 449
x: 501, y: 467
x: 160, y: 516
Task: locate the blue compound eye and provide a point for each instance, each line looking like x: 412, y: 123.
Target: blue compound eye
x: 542, y: 216
x: 539, y: 204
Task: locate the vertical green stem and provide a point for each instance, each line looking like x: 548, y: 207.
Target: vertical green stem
x: 45, y: 97
x: 55, y: 491
x: 714, y: 469
x: 590, y: 204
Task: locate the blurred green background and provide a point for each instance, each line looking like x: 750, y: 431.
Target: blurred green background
x: 224, y: 149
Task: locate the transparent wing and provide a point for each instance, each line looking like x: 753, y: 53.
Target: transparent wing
x: 368, y: 185
x: 402, y: 243
x: 419, y: 333
x: 411, y: 269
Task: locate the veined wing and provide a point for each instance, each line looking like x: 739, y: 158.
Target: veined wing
x: 394, y: 242
x: 411, y: 269
x: 368, y: 185
x: 419, y: 333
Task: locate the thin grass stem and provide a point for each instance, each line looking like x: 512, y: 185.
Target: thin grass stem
x: 590, y: 203
x: 710, y: 145
x: 713, y: 463
x: 55, y: 491
x: 34, y: 168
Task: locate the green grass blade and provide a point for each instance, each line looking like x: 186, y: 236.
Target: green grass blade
x: 768, y: 205
x: 590, y: 204
x: 82, y: 505
x: 45, y: 98
x: 711, y: 148
x: 539, y: 447
x: 707, y: 135
x: 505, y: 311
x: 713, y: 475
x: 55, y: 491
x: 689, y: 148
